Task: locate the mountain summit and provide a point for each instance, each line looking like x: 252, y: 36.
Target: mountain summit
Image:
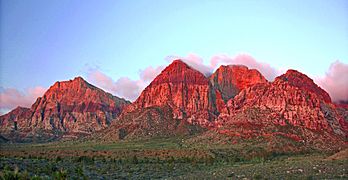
x: 230, y: 80
x: 73, y: 106
x: 184, y: 89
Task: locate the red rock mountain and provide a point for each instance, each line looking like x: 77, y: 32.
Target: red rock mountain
x: 177, y: 98
x: 235, y: 103
x: 186, y: 97
x: 238, y: 103
x: 291, y: 107
x: 73, y: 106
x: 303, y: 82
x: 230, y: 80
x: 184, y: 89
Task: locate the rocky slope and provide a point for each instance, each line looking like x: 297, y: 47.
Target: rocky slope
x: 176, y: 102
x: 185, y: 90
x: 73, y: 106
x: 291, y: 107
x: 184, y: 97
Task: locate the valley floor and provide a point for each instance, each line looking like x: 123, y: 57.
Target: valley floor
x: 161, y: 159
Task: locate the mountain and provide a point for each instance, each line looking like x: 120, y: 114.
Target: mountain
x: 182, y: 101
x: 230, y: 80
x: 185, y: 90
x: 73, y: 106
x: 176, y: 102
x: 292, y: 110
x: 234, y: 105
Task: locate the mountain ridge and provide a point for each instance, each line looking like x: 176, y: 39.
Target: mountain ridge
x: 72, y: 106
x: 235, y: 102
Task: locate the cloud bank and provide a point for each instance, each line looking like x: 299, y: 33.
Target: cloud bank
x: 335, y: 82
x: 124, y: 86
x: 10, y: 98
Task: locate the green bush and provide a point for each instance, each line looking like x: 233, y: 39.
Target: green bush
x: 134, y: 160
x: 60, y: 175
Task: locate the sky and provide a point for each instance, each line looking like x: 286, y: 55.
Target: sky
x: 121, y: 46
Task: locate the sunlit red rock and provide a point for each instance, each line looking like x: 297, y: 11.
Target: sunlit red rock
x: 292, y: 101
x: 232, y: 79
x: 17, y: 116
x: 184, y: 89
x: 235, y: 102
x: 73, y: 106
x: 303, y: 82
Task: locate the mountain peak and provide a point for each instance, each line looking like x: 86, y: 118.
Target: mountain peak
x: 68, y: 106
x: 231, y: 79
x: 302, y: 81
x: 178, y: 61
x: 235, y: 66
x: 176, y: 65
x: 179, y: 72
x: 76, y: 83
x: 79, y: 79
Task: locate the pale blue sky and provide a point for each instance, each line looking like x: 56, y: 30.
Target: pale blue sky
x: 45, y: 41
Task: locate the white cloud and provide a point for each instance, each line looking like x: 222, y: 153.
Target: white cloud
x: 335, y: 82
x: 11, y: 98
x: 123, y: 87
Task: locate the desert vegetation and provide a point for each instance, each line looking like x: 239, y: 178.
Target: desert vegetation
x: 162, y: 158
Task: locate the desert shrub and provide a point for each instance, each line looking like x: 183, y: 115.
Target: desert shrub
x: 310, y: 177
x: 257, y: 176
x: 85, y: 159
x: 171, y: 159
x: 80, y: 173
x: 35, y: 177
x: 257, y: 159
x: 209, y: 160
x: 60, y: 175
x: 134, y: 160
x: 58, y: 158
x: 8, y: 174
x: 146, y: 160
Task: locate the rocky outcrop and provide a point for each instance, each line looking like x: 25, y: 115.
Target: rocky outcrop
x: 73, y: 106
x: 185, y: 90
x: 292, y: 106
x: 16, y: 118
x: 177, y: 102
x: 230, y: 80
x: 303, y: 82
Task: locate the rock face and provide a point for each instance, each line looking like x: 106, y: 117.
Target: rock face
x: 292, y: 106
x: 16, y: 118
x: 73, y: 106
x: 184, y: 89
x: 303, y: 82
x: 184, y: 97
x: 177, y: 100
x: 234, y: 101
x: 230, y: 80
